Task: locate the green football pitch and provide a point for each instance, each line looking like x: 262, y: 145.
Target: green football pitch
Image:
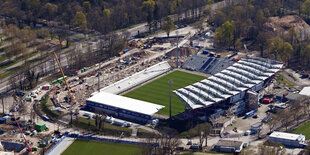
x: 157, y: 91
x: 82, y: 147
x: 303, y: 129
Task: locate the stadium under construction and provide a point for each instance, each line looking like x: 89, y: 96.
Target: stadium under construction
x: 230, y: 90
x: 233, y: 87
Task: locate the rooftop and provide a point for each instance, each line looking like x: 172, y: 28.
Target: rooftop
x: 239, y: 77
x: 305, y: 91
x: 229, y: 143
x: 126, y: 103
x: 284, y: 135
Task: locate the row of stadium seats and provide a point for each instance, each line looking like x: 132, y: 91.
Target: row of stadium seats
x: 138, y: 78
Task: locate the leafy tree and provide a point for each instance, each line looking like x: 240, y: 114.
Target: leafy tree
x: 292, y: 36
x: 80, y: 20
x: 260, y: 18
x: 148, y: 8
x: 305, y: 7
x: 50, y: 10
x: 168, y: 25
x: 280, y: 49
x: 224, y: 35
x: 86, y: 6
x: 305, y: 54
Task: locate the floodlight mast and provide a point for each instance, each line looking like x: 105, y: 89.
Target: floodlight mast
x: 170, y: 84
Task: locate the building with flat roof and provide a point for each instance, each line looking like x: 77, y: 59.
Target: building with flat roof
x: 122, y: 107
x: 228, y: 146
x: 305, y: 91
x: 288, y: 139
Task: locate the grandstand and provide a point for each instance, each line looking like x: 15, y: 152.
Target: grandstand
x: 208, y: 65
x: 138, y: 78
x: 230, y: 84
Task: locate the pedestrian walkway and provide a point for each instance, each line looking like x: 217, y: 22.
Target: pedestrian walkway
x: 61, y: 146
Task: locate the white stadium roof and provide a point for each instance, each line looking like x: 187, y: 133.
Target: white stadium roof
x: 125, y: 103
x: 241, y: 76
x: 305, y: 91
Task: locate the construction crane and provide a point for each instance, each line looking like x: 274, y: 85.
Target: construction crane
x: 63, y: 75
x: 21, y: 131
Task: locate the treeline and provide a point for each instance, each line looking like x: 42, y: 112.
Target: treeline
x: 100, y: 15
x: 245, y: 24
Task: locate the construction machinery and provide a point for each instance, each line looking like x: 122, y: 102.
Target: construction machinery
x: 21, y: 131
x: 64, y: 77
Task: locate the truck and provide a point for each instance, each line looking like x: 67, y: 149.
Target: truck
x: 45, y: 118
x: 249, y: 114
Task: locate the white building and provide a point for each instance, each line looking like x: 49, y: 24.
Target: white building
x: 305, y: 91
x: 229, y: 146
x: 288, y: 139
x: 122, y: 107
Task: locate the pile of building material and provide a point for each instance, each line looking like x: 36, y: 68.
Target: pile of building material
x: 280, y: 26
x: 186, y: 51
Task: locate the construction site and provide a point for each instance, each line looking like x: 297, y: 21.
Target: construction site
x: 225, y: 88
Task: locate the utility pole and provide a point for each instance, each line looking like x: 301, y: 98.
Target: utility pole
x: 170, y: 84
x: 99, y: 77
x: 177, y: 53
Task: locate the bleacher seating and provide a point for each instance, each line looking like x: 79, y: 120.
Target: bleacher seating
x: 12, y: 146
x: 138, y: 78
x: 195, y: 62
x: 209, y: 65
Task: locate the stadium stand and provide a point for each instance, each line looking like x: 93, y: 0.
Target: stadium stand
x: 195, y: 62
x: 138, y: 78
x: 208, y: 65
x: 230, y: 83
x: 12, y: 146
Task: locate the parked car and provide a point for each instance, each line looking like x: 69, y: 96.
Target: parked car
x: 256, y: 116
x: 20, y: 93
x: 87, y: 115
x: 266, y: 119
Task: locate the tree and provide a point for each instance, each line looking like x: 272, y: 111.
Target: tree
x: 106, y: 15
x: 148, y: 8
x: 305, y: 7
x: 87, y: 6
x: 280, y: 49
x: 50, y: 10
x: 305, y: 54
x: 199, y: 26
x: 224, y: 35
x: 292, y: 36
x: 168, y: 25
x: 2, y: 97
x: 260, y: 19
x: 80, y: 21
x: 286, y: 53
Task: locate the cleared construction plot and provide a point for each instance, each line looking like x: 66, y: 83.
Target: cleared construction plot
x: 157, y: 91
x: 81, y: 147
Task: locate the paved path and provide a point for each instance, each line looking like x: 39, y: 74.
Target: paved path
x: 61, y: 146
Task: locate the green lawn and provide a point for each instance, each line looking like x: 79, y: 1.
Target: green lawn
x: 283, y: 80
x: 82, y: 147
x: 157, y: 91
x: 303, y: 129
